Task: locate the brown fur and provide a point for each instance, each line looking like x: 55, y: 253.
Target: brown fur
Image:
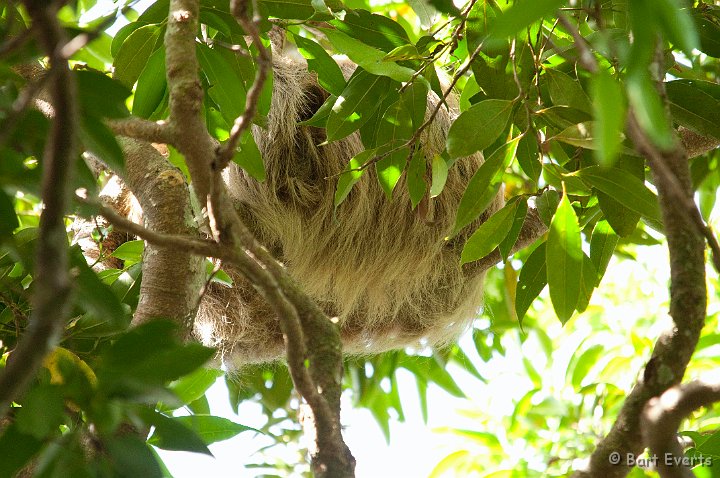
x: 386, y: 273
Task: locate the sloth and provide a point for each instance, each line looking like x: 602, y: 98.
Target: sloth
x: 386, y: 272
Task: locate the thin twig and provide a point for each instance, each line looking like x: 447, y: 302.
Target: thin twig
x: 239, y: 9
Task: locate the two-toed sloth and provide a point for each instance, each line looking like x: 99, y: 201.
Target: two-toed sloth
x: 387, y: 273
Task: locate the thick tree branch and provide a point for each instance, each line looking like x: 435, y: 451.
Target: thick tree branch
x: 661, y: 420
x: 51, y: 284
x: 141, y: 129
x: 163, y: 195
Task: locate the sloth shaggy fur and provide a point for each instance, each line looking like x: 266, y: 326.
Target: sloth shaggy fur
x: 384, y: 270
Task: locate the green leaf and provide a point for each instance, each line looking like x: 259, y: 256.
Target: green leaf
x: 520, y: 15
x: 131, y: 251
x: 622, y: 220
x: 151, y: 86
x: 678, y: 25
x: 99, y: 140
x: 587, y: 285
x: 213, y: 429
x: 132, y: 457
x: 193, y: 386
x: 288, y: 9
x: 416, y: 177
x: 95, y: 297
x: 356, y: 105
x: 602, y: 246
x: 42, y: 411
x: 709, y: 34
x: 532, y: 280
x: 395, y: 130
x: 648, y: 109
x: 630, y: 191
x: 490, y: 234
x: 566, y: 91
x: 584, y: 363
x: 478, y: 127
x: 170, y: 433
x: 694, y: 108
x: 368, y: 58
x: 249, y: 157
x: 610, y: 110
x: 102, y: 97
x: 512, y: 236
x: 564, y: 252
x: 433, y: 371
x: 484, y: 184
x: 133, y: 55
x: 375, y: 30
x: 328, y: 72
x: 17, y: 449
x: 439, y: 175
x: 8, y: 219
x: 350, y: 176
x: 226, y: 86
x: 528, y: 155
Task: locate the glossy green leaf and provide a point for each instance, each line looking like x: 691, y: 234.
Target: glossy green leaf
x: 226, y: 86
x: 648, y: 109
x: 630, y: 191
x: 677, y: 24
x: 622, y: 220
x: 328, y: 72
x: 547, y: 204
x: 709, y: 34
x: 587, y: 284
x: 95, y: 297
x: 439, y: 175
x: 99, y: 140
x: 518, y: 220
x: 374, y: 30
x: 102, y: 97
x: 694, y: 108
x: 213, y: 429
x: 131, y: 456
x: 528, y: 155
x: 520, y: 15
x: 357, y: 103
x: 484, y: 184
x: 351, y: 175
x: 584, y: 363
x: 566, y: 91
x: 602, y: 246
x: 369, y: 58
x: 131, y: 251
x: 151, y: 86
x: 478, y: 127
x: 490, y: 234
x: 249, y: 157
x: 133, y: 55
x: 532, y: 280
x: 193, y: 386
x: 288, y: 9
x: 564, y: 252
x: 170, y: 433
x: 610, y: 110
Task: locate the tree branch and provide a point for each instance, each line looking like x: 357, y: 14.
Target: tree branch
x: 144, y: 130
x: 661, y: 420
x: 51, y: 280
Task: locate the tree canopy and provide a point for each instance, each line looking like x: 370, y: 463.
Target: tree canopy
x: 599, y: 119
